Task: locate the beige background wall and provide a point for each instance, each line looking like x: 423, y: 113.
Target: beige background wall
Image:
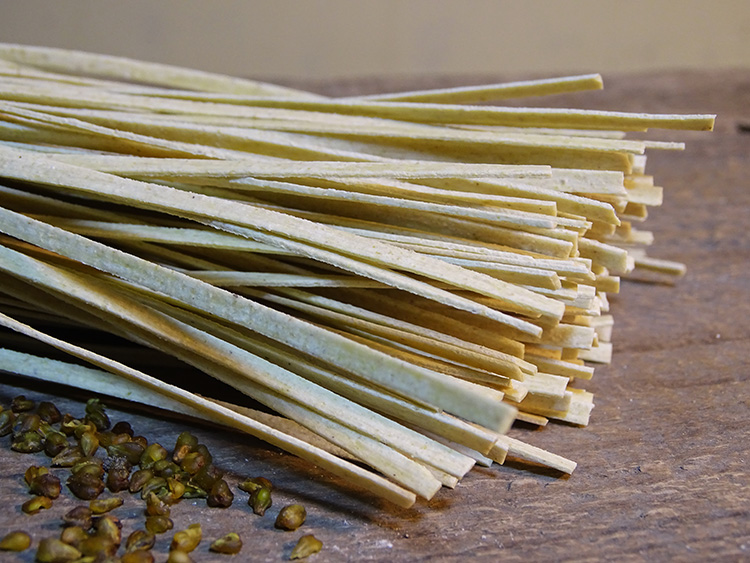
x: 351, y: 38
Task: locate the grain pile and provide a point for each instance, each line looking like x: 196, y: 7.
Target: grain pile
x: 397, y: 277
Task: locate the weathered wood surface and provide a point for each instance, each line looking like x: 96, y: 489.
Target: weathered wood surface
x: 662, y: 471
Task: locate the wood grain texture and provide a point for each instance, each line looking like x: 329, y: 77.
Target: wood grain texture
x: 662, y: 471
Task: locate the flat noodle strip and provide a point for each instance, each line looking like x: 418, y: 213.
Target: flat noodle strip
x: 352, y: 143
x: 130, y: 70
x: 494, y: 92
x: 527, y: 452
x: 185, y: 168
x: 507, y: 116
x: 112, y: 385
x: 440, y: 114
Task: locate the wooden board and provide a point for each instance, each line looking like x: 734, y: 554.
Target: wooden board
x: 662, y: 471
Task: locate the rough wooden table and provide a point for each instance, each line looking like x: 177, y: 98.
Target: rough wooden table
x: 662, y: 471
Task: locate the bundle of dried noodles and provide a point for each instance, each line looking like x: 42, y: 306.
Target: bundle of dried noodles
x: 396, y: 278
